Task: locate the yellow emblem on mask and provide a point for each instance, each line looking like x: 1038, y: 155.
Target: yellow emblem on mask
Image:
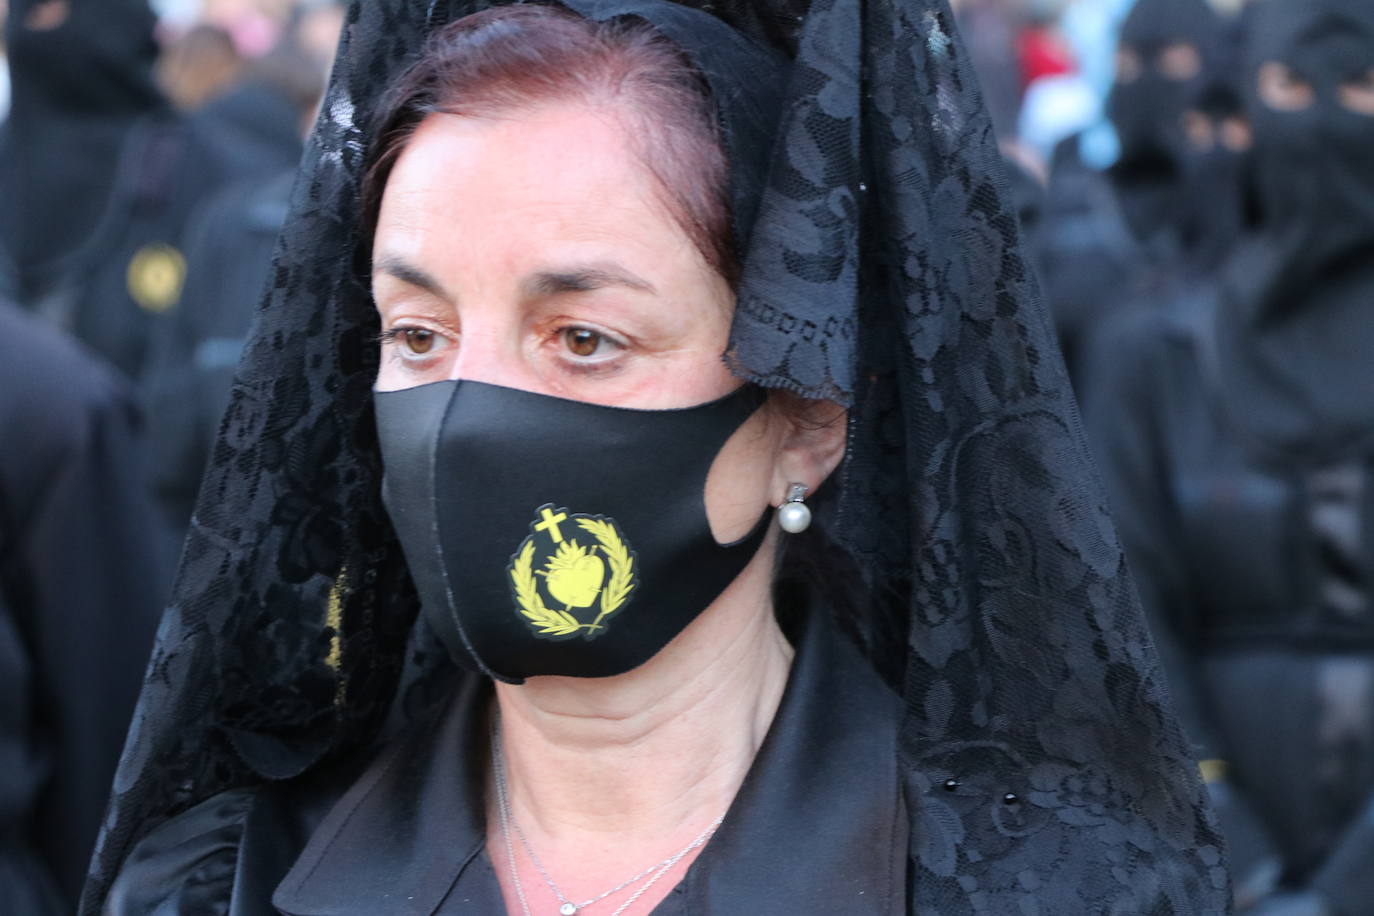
x: 594, y: 576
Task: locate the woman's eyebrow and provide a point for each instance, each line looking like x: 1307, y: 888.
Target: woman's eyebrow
x: 584, y: 278
x: 409, y: 273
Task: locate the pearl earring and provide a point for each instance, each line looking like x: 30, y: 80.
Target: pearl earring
x: 794, y: 516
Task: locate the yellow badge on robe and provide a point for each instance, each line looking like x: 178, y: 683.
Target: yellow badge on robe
x: 156, y: 274
x: 571, y: 574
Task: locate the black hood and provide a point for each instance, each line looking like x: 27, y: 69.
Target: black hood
x: 1295, y: 333
x: 1312, y: 166
x: 77, y: 89
x: 98, y: 59
x: 1147, y: 111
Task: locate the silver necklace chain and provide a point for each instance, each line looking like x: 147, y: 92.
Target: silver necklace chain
x: 566, y: 906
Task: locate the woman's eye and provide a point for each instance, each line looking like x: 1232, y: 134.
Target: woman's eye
x: 418, y: 340
x: 586, y: 343
x: 413, y: 342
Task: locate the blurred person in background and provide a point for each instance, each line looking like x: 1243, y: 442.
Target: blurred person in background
x: 98, y: 240
x: 995, y: 32
x: 259, y: 123
x: 317, y: 30
x: 1169, y: 51
x: 80, y: 595
x: 1121, y: 237
x: 198, y: 66
x: 1236, y: 432
x: 228, y: 253
x: 81, y: 79
x: 1071, y: 107
x: 1041, y: 49
x: 100, y: 176
x: 1217, y: 143
x: 255, y: 25
x: 990, y: 28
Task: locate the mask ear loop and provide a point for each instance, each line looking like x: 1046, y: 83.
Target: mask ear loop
x: 794, y: 516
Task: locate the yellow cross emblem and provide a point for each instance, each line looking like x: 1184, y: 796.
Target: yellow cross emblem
x: 551, y: 522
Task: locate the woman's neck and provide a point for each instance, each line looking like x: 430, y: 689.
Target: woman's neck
x: 600, y: 768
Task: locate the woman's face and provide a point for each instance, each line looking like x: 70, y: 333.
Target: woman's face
x: 534, y: 252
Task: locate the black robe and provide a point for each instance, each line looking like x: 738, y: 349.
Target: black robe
x: 119, y: 288
x: 1132, y: 235
x: 819, y: 825
x: 1090, y: 261
x: 1256, y: 568
x: 80, y: 596
x: 78, y: 90
x: 196, y: 349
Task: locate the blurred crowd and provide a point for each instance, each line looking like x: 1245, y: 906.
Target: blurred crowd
x: 1194, y: 180
x: 146, y: 160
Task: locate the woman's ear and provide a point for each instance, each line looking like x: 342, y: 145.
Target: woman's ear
x: 812, y: 444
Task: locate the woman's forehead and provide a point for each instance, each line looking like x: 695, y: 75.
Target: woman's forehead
x: 545, y: 143
x: 563, y: 169
x: 477, y: 199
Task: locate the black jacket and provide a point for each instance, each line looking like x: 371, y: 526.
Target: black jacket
x: 819, y: 825
x: 1255, y: 567
x: 80, y: 596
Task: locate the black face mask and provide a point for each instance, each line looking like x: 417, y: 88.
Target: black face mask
x: 1312, y: 166
x: 548, y: 536
x: 97, y: 60
x: 1212, y: 217
x: 1147, y: 112
x: 1293, y: 333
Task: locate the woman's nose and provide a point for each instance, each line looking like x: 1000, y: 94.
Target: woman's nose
x: 490, y: 352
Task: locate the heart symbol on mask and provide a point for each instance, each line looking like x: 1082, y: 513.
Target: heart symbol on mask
x: 574, y: 575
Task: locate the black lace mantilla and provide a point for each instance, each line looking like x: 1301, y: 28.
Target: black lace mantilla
x: 1045, y: 773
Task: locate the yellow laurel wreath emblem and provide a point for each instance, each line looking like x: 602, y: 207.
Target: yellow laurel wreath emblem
x: 550, y: 622
x: 615, y: 591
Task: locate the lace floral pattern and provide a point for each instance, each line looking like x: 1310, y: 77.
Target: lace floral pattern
x: 1045, y: 773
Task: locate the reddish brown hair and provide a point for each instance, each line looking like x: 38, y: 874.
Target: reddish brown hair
x: 519, y: 57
